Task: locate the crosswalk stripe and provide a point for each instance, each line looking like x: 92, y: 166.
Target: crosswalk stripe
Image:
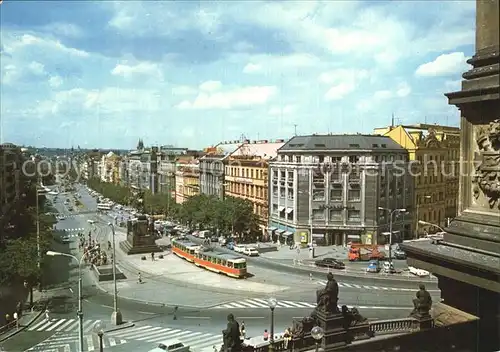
x: 56, y: 324
x: 87, y: 325
x: 43, y: 327
x: 208, y: 342
x: 126, y: 332
x: 297, y: 304
x: 90, y: 343
x: 157, y: 334
x: 173, y: 336
x: 68, y: 322
x: 234, y: 305
x: 112, y: 342
x: 258, y: 303
x: 247, y: 303
x: 346, y: 285
x: 150, y: 331
x: 203, y: 337
x: 34, y: 327
x: 72, y: 326
x: 263, y: 303
x: 282, y: 304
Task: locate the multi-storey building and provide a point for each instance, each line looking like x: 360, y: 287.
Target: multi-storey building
x: 167, y: 159
x: 111, y: 168
x: 339, y: 189
x: 10, y: 160
x: 436, y: 150
x: 142, y: 169
x: 212, y: 167
x: 246, y: 176
x: 187, y: 179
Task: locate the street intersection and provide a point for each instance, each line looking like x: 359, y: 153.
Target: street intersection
x: 203, y: 299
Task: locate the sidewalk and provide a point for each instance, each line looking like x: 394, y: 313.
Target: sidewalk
x: 28, y: 316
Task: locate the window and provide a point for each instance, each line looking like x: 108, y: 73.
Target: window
x: 318, y: 214
x: 353, y: 159
x: 354, y: 195
x: 336, y: 214
x: 336, y: 195
x: 318, y: 195
x: 354, y: 215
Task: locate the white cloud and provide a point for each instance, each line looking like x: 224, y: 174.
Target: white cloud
x: 241, y: 97
x: 281, y: 110
x: 14, y: 42
x: 383, y: 94
x: 342, y: 81
x: 183, y: 90
x: 402, y: 90
x: 252, y: 68
x: 55, y: 81
x: 65, y: 29
x: 142, y: 68
x: 210, y: 86
x: 444, y: 65
x: 37, y: 68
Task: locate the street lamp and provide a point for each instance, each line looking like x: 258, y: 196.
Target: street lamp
x: 99, y: 327
x: 391, y: 213
x: 421, y: 222
x: 317, y: 333
x: 272, y: 304
x: 80, y: 308
x: 116, y: 316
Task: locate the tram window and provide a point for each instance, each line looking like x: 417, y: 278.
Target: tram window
x: 212, y: 259
x: 239, y: 265
x: 230, y: 265
x: 224, y: 262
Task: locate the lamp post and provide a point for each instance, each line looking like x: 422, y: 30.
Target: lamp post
x: 272, y: 304
x: 421, y: 222
x: 116, y: 316
x: 317, y: 333
x: 391, y: 213
x: 417, y: 215
x: 98, y: 328
x: 80, y: 308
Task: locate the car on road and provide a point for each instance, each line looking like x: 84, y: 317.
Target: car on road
x: 238, y: 248
x: 373, y: 267
x: 330, y: 263
x: 251, y: 252
x: 418, y: 272
x: 171, y: 346
x: 389, y: 268
x: 90, y: 221
x: 399, y: 253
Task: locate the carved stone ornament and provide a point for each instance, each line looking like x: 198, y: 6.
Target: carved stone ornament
x: 487, y: 177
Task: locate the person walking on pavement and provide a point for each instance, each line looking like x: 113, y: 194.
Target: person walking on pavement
x: 47, y: 315
x: 152, y: 256
x: 139, y: 279
x: 243, y: 332
x: 16, y: 319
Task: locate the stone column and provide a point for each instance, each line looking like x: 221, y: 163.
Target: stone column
x: 478, y: 223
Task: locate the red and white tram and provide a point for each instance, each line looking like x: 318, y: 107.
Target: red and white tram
x: 221, y: 263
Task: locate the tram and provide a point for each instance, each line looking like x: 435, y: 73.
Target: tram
x: 221, y: 263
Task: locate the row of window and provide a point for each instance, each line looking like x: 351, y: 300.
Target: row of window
x: 247, y: 172
x: 247, y: 190
x: 338, y: 159
x: 336, y: 194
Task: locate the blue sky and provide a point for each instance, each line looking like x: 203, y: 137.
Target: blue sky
x: 103, y: 74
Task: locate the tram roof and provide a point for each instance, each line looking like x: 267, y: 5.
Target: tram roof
x: 187, y: 243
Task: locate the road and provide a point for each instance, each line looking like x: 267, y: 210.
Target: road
x: 199, y: 327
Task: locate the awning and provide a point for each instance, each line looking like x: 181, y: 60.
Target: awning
x: 280, y: 231
x: 355, y: 237
x: 289, y: 210
x: 272, y: 228
x: 318, y: 235
x: 287, y: 233
x: 280, y: 209
x: 388, y: 233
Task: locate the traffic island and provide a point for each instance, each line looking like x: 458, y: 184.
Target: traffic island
x: 105, y: 273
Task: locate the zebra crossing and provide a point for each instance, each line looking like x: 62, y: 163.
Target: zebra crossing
x: 262, y: 303
x: 68, y: 342
x: 369, y: 287
x: 62, y: 325
x: 197, y: 341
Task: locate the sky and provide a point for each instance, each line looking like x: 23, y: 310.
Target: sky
x: 191, y: 74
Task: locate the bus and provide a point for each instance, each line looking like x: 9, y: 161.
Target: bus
x: 103, y: 206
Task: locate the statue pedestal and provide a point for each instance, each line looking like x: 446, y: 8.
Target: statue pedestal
x: 333, y: 326
x: 139, y: 238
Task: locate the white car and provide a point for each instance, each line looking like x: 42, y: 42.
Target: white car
x: 418, y: 272
x: 239, y: 248
x: 171, y: 346
x: 251, y: 252
x: 90, y: 221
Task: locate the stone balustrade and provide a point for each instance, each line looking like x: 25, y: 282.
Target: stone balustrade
x: 394, y: 326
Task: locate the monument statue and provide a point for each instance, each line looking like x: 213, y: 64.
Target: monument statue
x: 328, y: 297
x: 422, y: 303
x: 231, y: 335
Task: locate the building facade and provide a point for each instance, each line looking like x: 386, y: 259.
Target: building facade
x: 436, y: 151
x: 246, y: 176
x: 111, y: 168
x: 187, y: 180
x: 167, y: 158
x: 142, y: 169
x: 329, y: 188
x: 212, y: 167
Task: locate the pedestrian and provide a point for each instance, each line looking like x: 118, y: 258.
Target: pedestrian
x: 266, y: 335
x: 7, y: 318
x: 243, y: 332
x: 152, y: 256
x: 310, y: 276
x: 16, y: 319
x: 139, y: 278
x: 287, y: 337
x: 47, y: 316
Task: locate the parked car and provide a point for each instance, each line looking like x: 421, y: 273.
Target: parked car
x: 238, y: 248
x: 389, y: 268
x: 251, y: 252
x: 373, y: 266
x: 418, y: 272
x: 399, y: 253
x: 330, y: 263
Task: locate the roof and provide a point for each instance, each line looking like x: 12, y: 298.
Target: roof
x: 263, y: 150
x: 221, y: 150
x: 341, y: 142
